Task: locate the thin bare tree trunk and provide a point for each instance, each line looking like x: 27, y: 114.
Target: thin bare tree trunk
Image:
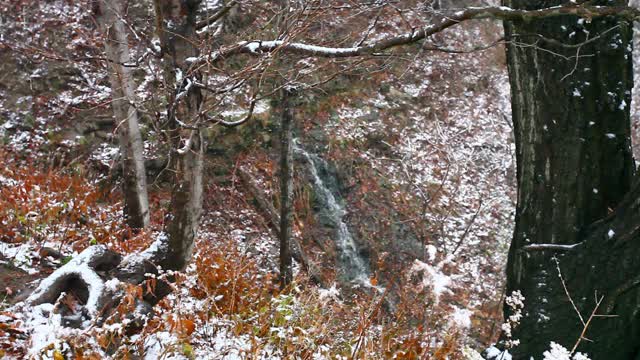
x: 176, y: 21
x: 269, y: 211
x: 136, y: 209
x: 286, y: 180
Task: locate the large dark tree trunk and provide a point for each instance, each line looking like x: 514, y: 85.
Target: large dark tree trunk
x: 574, y: 165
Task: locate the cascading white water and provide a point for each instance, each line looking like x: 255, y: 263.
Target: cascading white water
x: 353, y: 265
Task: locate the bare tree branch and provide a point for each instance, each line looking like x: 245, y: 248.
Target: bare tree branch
x: 588, y: 12
x: 217, y: 16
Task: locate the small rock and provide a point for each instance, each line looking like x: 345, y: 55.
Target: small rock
x: 47, y: 251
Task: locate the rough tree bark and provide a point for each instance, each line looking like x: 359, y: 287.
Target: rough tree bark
x: 116, y: 44
x: 574, y: 165
x: 286, y: 186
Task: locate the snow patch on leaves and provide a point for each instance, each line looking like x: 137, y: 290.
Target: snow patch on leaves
x: 559, y: 352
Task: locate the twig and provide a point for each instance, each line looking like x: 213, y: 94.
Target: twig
x: 586, y: 325
x: 566, y: 291
x: 468, y: 229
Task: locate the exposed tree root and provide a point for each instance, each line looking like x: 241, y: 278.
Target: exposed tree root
x: 81, y: 275
x: 93, y: 277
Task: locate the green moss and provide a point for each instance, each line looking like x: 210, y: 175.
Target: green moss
x: 187, y: 350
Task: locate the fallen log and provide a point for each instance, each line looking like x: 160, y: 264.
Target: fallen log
x: 271, y: 214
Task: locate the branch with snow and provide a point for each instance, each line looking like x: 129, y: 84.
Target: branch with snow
x: 553, y: 247
x: 256, y: 47
x: 217, y: 16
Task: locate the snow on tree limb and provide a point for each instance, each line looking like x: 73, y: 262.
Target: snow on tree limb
x: 217, y: 16
x: 256, y: 47
x: 555, y: 247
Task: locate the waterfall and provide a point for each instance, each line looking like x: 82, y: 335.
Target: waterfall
x: 351, y: 263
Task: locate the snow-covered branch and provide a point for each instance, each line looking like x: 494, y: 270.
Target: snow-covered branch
x: 217, y: 16
x: 500, y: 12
x: 554, y: 247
